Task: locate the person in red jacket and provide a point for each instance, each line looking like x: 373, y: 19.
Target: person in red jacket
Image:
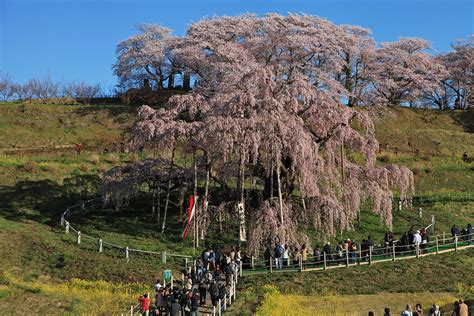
x: 144, y: 304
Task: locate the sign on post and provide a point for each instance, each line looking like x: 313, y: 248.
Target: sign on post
x: 167, y: 276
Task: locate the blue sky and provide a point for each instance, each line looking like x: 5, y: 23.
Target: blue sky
x: 76, y: 39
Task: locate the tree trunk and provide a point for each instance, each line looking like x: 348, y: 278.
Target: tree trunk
x: 171, y: 81
x: 280, y: 199
x: 186, y: 81
x: 158, y: 203
x: 153, y: 202
x: 168, y: 192
x: 271, y: 177
x: 181, y: 202
x: 206, y: 192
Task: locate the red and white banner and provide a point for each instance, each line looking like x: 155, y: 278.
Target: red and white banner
x: 191, y: 211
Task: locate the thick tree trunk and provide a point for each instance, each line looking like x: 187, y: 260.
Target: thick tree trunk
x: 186, y: 81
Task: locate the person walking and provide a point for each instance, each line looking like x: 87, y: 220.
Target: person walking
x: 463, y: 308
x: 386, y: 311
x: 304, y: 256
x: 434, y: 311
x: 175, y: 307
x: 278, y: 253
x: 454, y: 230
x: 408, y: 311
x: 327, y: 250
x: 418, y: 310
x: 417, y: 242
x: 469, y: 234
x: 286, y: 256
x: 144, y: 304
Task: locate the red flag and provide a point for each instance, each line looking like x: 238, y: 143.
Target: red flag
x: 191, y: 211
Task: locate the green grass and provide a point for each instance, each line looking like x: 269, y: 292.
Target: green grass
x: 36, y: 186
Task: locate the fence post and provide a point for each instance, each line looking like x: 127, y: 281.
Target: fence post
x: 393, y: 250
x: 370, y: 254
x: 67, y: 227
x: 347, y: 257
x: 301, y: 263
x: 186, y: 264
x: 126, y: 253
x: 432, y: 223
x: 99, y: 243
x: 213, y: 310
x: 220, y: 309
x: 444, y: 238
x: 131, y: 310
x: 172, y: 282
x: 324, y: 257
x: 235, y: 290
x: 163, y: 257
x: 437, y: 245
x: 253, y: 262
x: 225, y: 302
x: 79, y: 237
x: 455, y: 242
x: 360, y: 254
x: 231, y: 291
x: 240, y: 268
x: 417, y: 249
x: 62, y: 219
x: 271, y: 260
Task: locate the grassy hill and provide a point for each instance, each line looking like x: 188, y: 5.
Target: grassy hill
x: 39, y: 261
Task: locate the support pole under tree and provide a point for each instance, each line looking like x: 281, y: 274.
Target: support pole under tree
x: 206, y: 191
x: 253, y: 262
x: 301, y: 263
x: 393, y: 251
x: 271, y: 261
x: 370, y: 254
x: 163, y: 257
x: 168, y: 189
x: 67, y: 227
x: 126, y: 254
x: 437, y: 245
x: 455, y: 242
x: 78, y: 237
x: 324, y: 258
x: 432, y: 223
x: 196, y: 240
x: 347, y: 258
x: 280, y: 198
x: 360, y: 254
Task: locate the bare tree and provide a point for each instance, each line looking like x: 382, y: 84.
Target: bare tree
x: 45, y: 88
x: 6, y: 87
x: 82, y: 91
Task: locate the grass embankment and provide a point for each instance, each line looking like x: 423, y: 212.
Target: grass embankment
x: 36, y: 186
x: 447, y: 273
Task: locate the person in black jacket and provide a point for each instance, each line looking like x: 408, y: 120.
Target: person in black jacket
x: 454, y: 230
x: 327, y: 251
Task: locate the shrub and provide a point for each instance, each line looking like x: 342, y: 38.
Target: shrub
x: 85, y: 168
x: 30, y: 167
x: 428, y: 170
x: 113, y: 159
x: 94, y: 159
x: 385, y: 158
x: 102, y: 168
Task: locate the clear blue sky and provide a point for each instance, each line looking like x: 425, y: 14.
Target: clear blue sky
x: 76, y: 39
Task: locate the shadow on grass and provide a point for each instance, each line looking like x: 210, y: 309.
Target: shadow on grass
x: 465, y: 118
x: 44, y: 200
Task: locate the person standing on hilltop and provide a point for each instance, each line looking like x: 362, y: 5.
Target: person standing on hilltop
x: 78, y: 148
x: 407, y: 311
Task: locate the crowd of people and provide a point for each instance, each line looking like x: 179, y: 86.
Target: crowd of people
x: 460, y: 309
x: 211, y: 274
x: 411, y: 242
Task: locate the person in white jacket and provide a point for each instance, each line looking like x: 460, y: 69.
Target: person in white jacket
x: 417, y: 241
